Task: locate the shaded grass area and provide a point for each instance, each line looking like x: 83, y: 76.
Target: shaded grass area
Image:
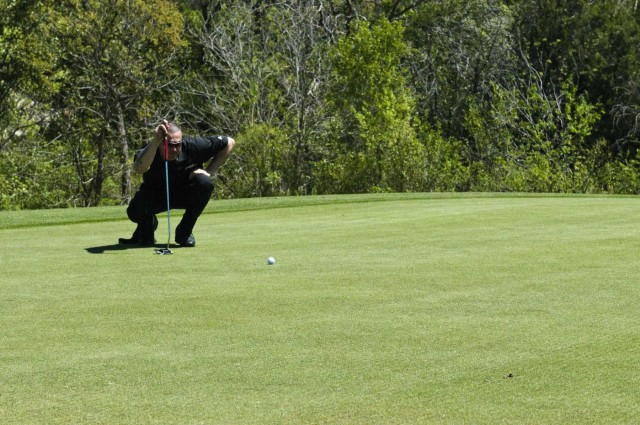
x: 31, y: 218
x: 380, y: 309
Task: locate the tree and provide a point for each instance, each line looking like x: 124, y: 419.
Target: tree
x: 534, y: 140
x: 28, y: 80
x: 264, y: 73
x: 117, y: 60
x: 595, y: 46
x: 26, y: 64
x: 390, y: 10
x: 460, y: 48
x: 376, y: 146
x: 302, y: 33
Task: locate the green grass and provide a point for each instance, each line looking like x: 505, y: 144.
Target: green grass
x: 381, y: 309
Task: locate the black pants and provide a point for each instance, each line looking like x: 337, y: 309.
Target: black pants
x: 193, y: 199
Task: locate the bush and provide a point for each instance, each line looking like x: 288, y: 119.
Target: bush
x: 258, y: 165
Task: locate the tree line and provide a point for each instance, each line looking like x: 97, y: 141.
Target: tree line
x: 322, y: 96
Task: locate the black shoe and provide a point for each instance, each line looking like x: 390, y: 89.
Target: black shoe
x: 146, y: 234
x: 184, y: 238
x: 138, y: 239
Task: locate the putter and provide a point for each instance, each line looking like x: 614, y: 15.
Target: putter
x: 166, y: 251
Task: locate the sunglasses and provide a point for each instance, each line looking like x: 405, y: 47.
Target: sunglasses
x: 175, y: 145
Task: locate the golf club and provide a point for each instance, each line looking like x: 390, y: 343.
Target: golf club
x: 166, y: 251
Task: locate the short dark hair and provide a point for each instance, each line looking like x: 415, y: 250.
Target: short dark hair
x: 173, y: 127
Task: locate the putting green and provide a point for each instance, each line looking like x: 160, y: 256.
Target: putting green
x: 399, y: 308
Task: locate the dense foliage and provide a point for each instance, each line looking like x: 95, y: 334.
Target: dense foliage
x: 322, y: 96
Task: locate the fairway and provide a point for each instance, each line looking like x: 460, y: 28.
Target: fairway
x: 380, y: 309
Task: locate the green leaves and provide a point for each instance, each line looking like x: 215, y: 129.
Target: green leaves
x: 398, y: 95
x: 534, y: 140
x: 371, y: 98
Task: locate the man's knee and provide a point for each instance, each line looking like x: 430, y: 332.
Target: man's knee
x: 134, y: 210
x: 141, y: 207
x: 202, y: 184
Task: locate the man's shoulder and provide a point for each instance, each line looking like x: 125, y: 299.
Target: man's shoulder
x: 197, y: 139
x: 189, y: 138
x: 139, y: 152
x: 207, y: 145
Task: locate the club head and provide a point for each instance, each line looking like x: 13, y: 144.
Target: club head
x: 163, y: 251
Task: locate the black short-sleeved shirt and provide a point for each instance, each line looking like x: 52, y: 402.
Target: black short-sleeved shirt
x: 195, y: 152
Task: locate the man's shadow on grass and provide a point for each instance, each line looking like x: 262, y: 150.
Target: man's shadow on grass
x: 124, y: 247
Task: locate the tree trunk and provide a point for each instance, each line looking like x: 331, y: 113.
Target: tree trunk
x: 126, y: 168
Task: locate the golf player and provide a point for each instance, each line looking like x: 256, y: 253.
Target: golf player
x: 190, y: 184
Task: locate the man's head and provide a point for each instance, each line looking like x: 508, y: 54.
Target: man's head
x: 174, y: 138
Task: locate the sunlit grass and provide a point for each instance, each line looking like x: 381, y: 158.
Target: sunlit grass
x: 380, y: 309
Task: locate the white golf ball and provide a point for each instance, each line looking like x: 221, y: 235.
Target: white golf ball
x: 271, y: 261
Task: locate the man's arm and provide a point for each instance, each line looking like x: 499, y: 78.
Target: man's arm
x: 220, y: 157
x: 143, y: 162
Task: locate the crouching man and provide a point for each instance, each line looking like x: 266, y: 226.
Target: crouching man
x: 190, y: 185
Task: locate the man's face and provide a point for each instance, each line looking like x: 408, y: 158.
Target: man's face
x: 175, y: 146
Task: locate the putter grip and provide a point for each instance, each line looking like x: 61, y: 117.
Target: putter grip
x: 166, y: 148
